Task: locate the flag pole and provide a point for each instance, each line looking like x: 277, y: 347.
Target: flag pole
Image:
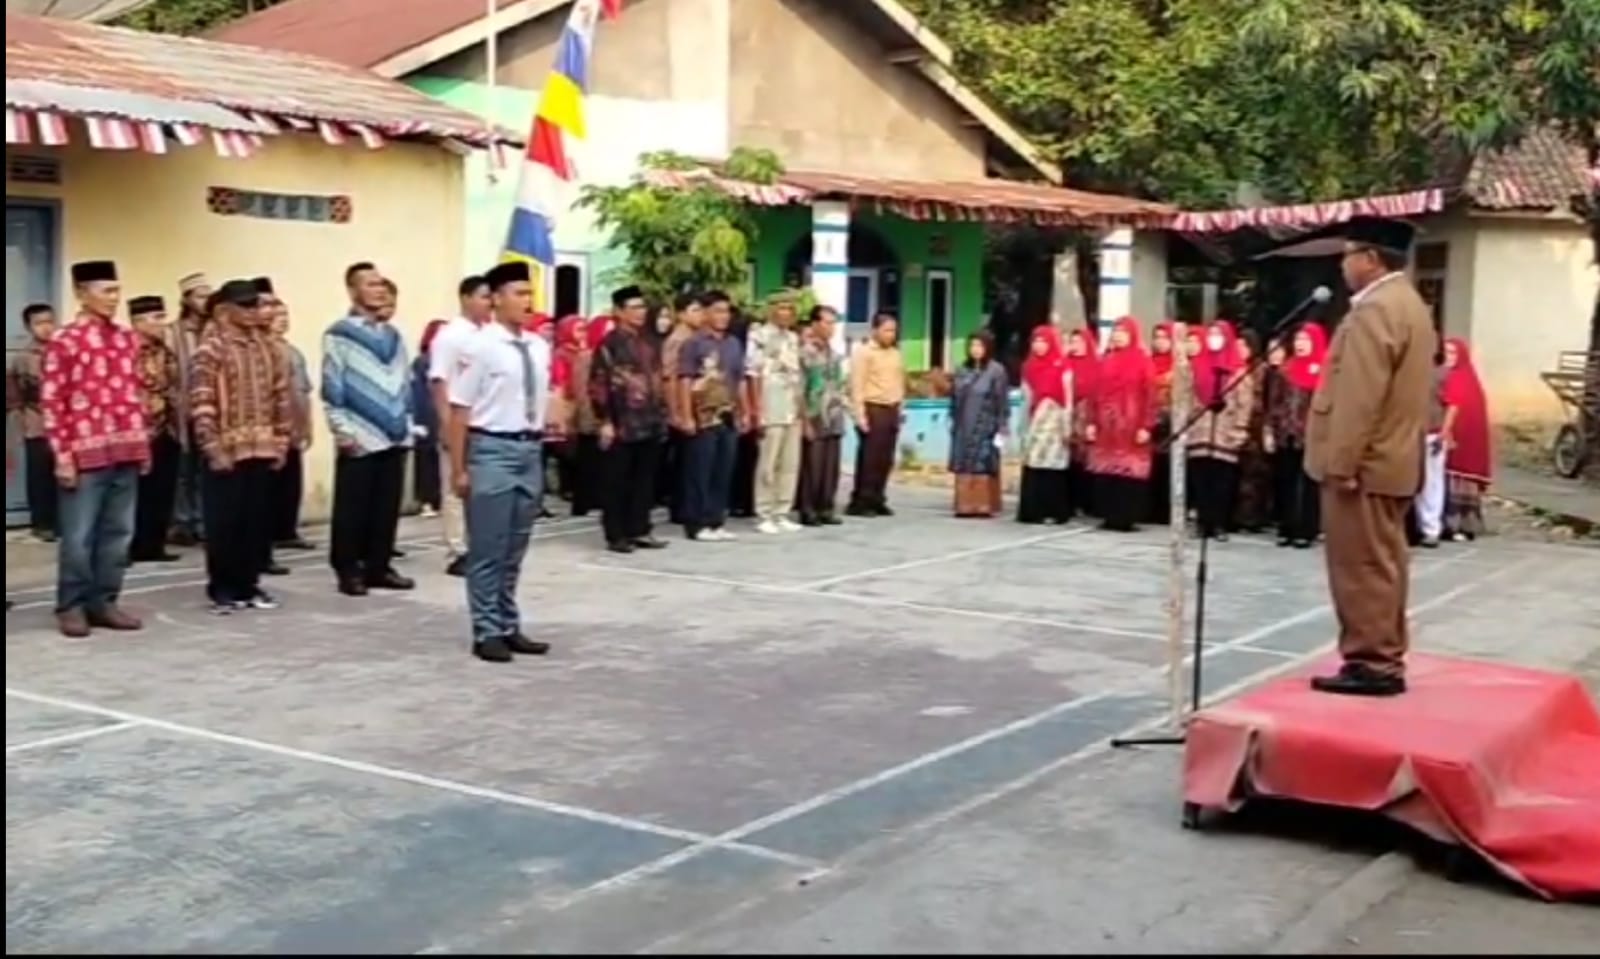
x: 491, y: 49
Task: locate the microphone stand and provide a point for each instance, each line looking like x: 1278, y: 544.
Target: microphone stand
x: 1218, y: 404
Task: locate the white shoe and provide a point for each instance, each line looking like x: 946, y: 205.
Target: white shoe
x: 768, y: 528
x: 705, y: 536
x: 428, y: 512
x: 788, y: 525
x: 725, y: 536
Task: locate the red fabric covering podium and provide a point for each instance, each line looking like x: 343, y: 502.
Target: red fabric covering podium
x: 1502, y: 759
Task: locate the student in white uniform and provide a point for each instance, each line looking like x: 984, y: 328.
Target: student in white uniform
x: 498, y: 397
x: 443, y: 361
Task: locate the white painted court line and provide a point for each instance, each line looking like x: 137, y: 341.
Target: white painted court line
x: 942, y: 558
x: 417, y: 779
x: 64, y: 738
x: 879, y: 601
x: 821, y: 800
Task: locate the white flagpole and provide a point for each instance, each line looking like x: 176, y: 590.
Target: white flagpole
x: 1176, y: 577
x: 491, y: 51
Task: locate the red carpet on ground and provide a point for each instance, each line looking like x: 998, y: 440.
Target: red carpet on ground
x: 1503, y: 759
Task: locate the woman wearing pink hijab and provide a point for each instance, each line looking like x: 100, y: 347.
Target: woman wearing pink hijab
x: 1046, y: 383
x: 1215, y: 440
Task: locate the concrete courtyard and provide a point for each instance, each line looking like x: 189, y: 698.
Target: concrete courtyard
x: 888, y: 735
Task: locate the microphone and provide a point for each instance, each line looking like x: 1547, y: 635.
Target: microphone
x: 1281, y: 329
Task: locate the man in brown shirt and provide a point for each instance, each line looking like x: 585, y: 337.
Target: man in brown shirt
x: 22, y: 401
x: 688, y: 315
x: 159, y: 384
x: 194, y: 291
x: 1364, y: 444
x: 877, y: 388
x: 243, y: 420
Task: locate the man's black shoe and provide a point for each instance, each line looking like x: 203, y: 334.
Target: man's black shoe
x: 391, y: 580
x: 649, y: 542
x: 1357, y: 680
x: 492, y: 651
x: 527, y: 647
x: 350, y: 586
x: 622, y: 547
x: 457, y: 567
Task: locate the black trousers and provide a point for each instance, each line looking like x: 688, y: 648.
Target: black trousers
x: 875, y: 451
x: 588, y: 491
x: 1122, y: 500
x: 742, y: 495
x: 669, y: 479
x: 366, y: 512
x: 43, y: 512
x: 819, y: 477
x: 1046, y: 496
x: 630, y: 489
x: 1297, y: 500
x: 238, y: 529
x: 425, y: 479
x: 158, y: 491
x: 1160, y: 505
x: 1216, y: 485
x: 288, y: 486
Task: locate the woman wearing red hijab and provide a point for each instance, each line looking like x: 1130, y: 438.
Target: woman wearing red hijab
x: 1046, y: 382
x: 1295, y: 495
x: 1162, y: 359
x: 1083, y: 366
x: 1217, y: 436
x: 1121, y: 417
x: 1468, y: 459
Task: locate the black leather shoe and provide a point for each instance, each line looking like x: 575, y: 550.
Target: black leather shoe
x: 1357, y: 680
x: 649, y: 542
x: 854, y: 510
x: 391, y: 580
x: 807, y: 519
x: 397, y: 554
x: 457, y: 567
x: 276, y: 569
x: 884, y: 510
x: 492, y: 651
x: 299, y: 542
x: 350, y: 586
x: 830, y: 519
x: 527, y: 647
x: 623, y: 547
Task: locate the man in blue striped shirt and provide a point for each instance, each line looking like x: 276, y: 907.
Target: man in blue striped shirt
x: 366, y: 389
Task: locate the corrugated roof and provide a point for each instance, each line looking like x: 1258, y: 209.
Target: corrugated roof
x: 360, y: 33
x: 985, y: 200
x: 1543, y: 172
x: 117, y: 62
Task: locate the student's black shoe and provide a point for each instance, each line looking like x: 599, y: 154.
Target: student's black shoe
x: 1302, y: 544
x: 183, y: 537
x: 623, y: 547
x: 350, y: 586
x: 884, y: 510
x: 527, y: 647
x: 391, y: 580
x: 855, y: 510
x: 457, y: 567
x: 545, y: 513
x: 649, y: 542
x: 808, y: 520
x: 492, y: 651
x: 275, y: 568
x: 829, y: 519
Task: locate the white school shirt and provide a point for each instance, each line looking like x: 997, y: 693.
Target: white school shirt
x: 489, y: 383
x: 444, y: 357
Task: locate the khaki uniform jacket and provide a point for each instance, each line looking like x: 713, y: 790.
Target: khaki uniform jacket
x: 1370, y: 415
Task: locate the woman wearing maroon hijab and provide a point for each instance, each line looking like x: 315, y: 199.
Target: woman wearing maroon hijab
x: 1468, y: 458
x: 1217, y: 437
x: 1121, y: 416
x: 1295, y: 495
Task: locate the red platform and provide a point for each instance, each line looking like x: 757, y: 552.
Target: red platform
x: 1503, y: 759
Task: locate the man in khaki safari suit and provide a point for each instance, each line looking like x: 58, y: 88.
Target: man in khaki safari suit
x: 1364, y: 444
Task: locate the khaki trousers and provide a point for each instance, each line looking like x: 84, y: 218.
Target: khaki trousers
x: 451, y: 509
x: 1369, y: 576
x: 777, y: 469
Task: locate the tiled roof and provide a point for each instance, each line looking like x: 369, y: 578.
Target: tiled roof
x: 360, y: 33
x: 105, y: 69
x: 985, y: 200
x: 1543, y: 172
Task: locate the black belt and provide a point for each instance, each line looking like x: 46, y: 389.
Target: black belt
x: 525, y: 436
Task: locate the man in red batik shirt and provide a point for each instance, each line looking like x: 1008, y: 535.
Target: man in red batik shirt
x: 94, y: 420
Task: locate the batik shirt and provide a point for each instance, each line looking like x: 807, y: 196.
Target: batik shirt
x: 159, y: 382
x: 22, y: 389
x: 89, y: 393
x: 827, y: 401
x: 714, y: 366
x: 774, y: 361
x: 625, y: 386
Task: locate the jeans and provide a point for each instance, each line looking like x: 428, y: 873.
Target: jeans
x: 188, y: 513
x: 708, y: 477
x: 96, y: 531
x: 507, y: 479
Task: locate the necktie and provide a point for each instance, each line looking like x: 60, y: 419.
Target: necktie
x: 529, y: 388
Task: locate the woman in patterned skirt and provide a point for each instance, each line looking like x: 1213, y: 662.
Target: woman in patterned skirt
x: 1083, y: 365
x: 979, y: 407
x: 1218, y: 435
x: 1046, y: 382
x: 1468, y: 459
x: 1252, y: 509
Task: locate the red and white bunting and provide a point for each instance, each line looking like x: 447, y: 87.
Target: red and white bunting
x: 1310, y: 214
x: 372, y: 138
x: 111, y: 133
x: 231, y: 144
x: 267, y: 123
x: 297, y: 123
x: 52, y: 129
x: 331, y: 134
x: 18, y: 128
x: 188, y: 134
x: 152, y: 137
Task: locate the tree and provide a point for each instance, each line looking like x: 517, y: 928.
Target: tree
x: 189, y: 17
x: 683, y: 240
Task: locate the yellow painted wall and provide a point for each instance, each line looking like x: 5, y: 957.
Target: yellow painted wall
x: 149, y: 214
x: 1533, y: 288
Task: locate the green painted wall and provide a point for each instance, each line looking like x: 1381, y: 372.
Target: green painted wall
x: 919, y: 246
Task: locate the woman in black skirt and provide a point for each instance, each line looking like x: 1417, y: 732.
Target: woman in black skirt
x: 1161, y: 362
x: 1218, y: 435
x: 1045, y: 495
x: 1295, y: 495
